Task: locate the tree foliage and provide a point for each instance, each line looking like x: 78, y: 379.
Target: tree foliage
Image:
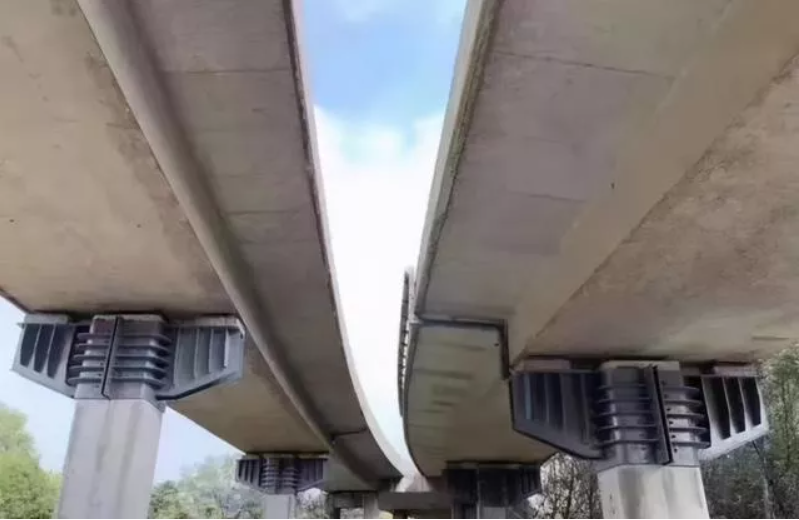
x: 760, y: 480
x: 778, y: 455
x: 569, y: 489
x: 13, y: 435
x: 26, y: 490
x: 312, y: 505
x: 207, y: 490
x: 734, y: 486
x: 165, y: 502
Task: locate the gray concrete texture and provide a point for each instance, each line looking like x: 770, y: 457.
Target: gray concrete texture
x: 416, y: 496
x: 614, y: 179
x: 652, y: 492
x: 279, y: 506
x: 370, y: 506
x: 93, y: 216
x: 110, y: 461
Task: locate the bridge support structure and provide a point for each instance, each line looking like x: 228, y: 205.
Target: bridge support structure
x: 341, y: 500
x: 484, y: 490
x: 121, y: 370
x: 279, y: 506
x: 645, y: 424
x: 280, y: 476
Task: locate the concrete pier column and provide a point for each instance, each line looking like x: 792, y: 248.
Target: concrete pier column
x: 652, y: 491
x: 279, y: 506
x: 370, y: 509
x: 479, y: 511
x: 120, y: 369
x: 645, y: 424
x: 493, y: 512
x: 110, y: 462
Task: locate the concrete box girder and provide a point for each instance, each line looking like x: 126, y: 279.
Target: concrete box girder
x: 206, y: 36
x: 228, y: 89
x: 91, y: 221
x: 646, y: 36
x: 80, y: 185
x: 609, y: 105
x: 721, y: 243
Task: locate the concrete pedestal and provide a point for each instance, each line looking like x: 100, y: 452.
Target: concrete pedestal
x: 370, y: 509
x: 279, y: 506
x: 492, y: 512
x: 110, y: 462
x: 479, y: 511
x: 652, y: 492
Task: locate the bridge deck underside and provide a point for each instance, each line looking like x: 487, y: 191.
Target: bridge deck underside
x: 89, y: 221
x: 619, y: 182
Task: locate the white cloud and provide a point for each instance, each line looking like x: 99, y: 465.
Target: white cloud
x: 376, y: 182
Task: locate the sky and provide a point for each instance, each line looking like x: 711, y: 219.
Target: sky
x: 380, y: 77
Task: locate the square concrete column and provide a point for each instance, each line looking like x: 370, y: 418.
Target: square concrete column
x: 110, y: 462
x: 652, y: 491
x: 370, y: 509
x: 479, y: 511
x: 279, y: 506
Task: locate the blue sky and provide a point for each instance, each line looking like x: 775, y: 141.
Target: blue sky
x: 388, y: 60
x: 381, y: 71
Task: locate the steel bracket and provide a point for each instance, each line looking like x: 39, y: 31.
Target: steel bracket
x: 129, y: 356
x: 492, y: 485
x: 281, y: 474
x: 638, y: 413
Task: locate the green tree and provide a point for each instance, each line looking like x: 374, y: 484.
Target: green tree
x: 206, y: 490
x: 734, y: 485
x: 569, y: 489
x: 13, y: 435
x: 778, y: 456
x: 311, y: 504
x: 212, y: 492
x: 760, y: 480
x: 209, y: 490
x: 166, y: 502
x: 26, y: 490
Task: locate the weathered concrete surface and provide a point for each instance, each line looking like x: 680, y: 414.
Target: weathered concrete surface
x: 93, y: 218
x: 370, y: 506
x: 444, y: 420
x: 86, y: 218
x: 750, y: 49
x: 89, y: 221
x: 711, y: 272
x: 243, y: 413
x: 110, y: 461
x: 614, y: 179
x: 652, y: 492
x: 279, y: 506
x: 415, y: 496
